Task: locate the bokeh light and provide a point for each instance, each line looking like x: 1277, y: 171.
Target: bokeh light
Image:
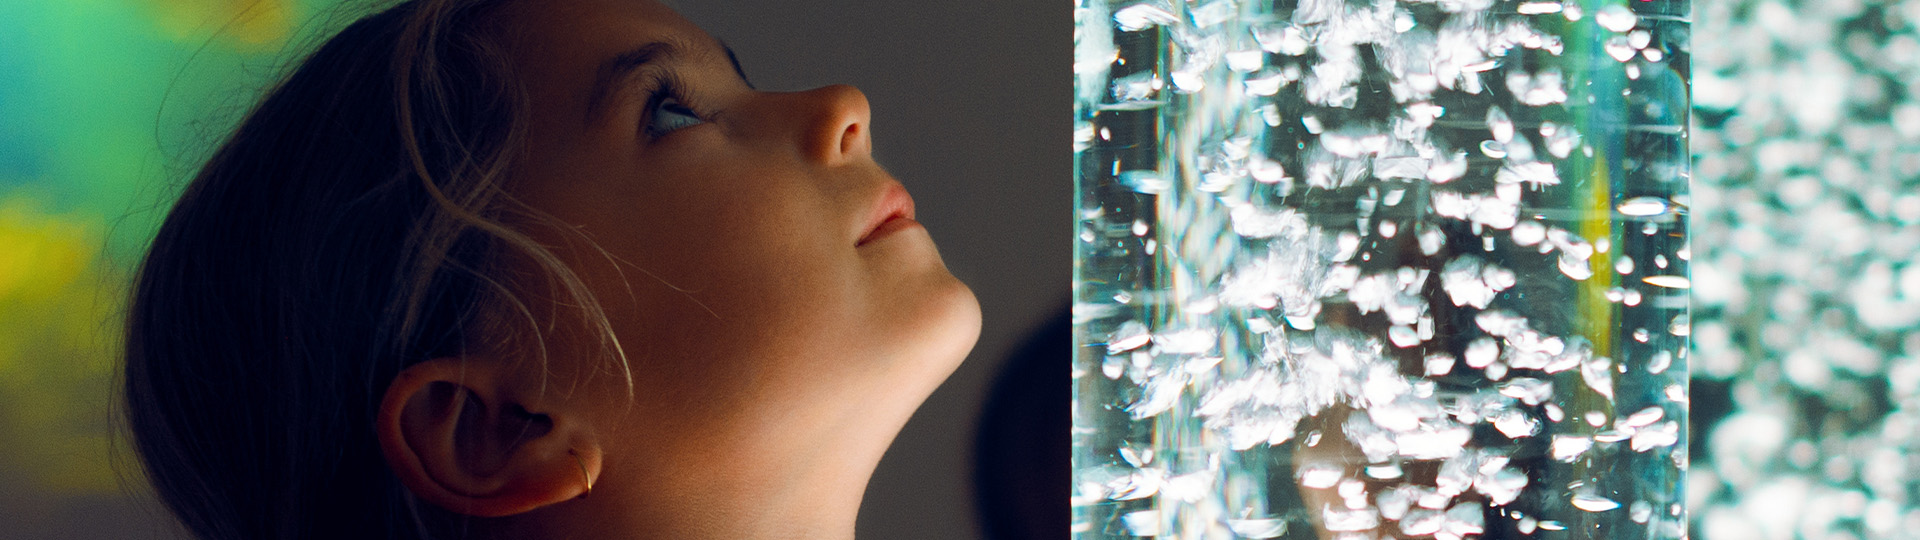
x: 1807, y: 270
x: 106, y: 107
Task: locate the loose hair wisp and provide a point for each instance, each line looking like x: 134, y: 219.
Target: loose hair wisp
x: 355, y: 223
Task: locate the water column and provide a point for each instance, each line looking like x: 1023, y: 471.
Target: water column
x: 1380, y: 269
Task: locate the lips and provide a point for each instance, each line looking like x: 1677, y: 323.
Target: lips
x: 893, y: 211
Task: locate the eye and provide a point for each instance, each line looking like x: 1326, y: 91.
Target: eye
x: 669, y: 115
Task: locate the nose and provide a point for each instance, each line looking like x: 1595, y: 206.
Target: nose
x: 838, y: 129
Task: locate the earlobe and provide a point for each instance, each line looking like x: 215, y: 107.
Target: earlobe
x: 459, y: 435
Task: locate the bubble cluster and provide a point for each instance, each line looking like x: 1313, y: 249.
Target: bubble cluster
x: 1381, y: 268
x: 1806, y: 282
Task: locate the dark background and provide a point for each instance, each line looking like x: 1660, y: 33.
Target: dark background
x: 972, y: 111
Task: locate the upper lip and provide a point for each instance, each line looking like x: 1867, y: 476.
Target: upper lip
x: 894, y: 203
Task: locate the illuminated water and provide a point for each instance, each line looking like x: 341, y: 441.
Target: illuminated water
x: 1384, y: 269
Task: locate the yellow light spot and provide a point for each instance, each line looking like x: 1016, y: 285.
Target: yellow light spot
x: 249, y: 24
x: 58, y: 344
x: 41, y: 253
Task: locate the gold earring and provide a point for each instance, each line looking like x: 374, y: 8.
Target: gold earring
x: 583, y: 472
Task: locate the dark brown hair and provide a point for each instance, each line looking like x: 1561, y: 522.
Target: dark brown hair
x: 354, y: 223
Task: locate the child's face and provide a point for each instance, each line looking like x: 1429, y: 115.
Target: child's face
x: 746, y: 277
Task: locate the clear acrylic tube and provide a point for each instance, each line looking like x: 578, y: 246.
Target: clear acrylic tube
x: 1380, y: 269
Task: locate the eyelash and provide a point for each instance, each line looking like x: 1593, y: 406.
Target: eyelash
x: 668, y: 92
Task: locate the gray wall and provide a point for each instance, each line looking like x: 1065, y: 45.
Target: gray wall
x: 972, y: 111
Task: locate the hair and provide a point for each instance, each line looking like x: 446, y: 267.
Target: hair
x: 355, y: 223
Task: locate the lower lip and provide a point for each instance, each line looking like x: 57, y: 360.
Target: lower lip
x: 890, y: 227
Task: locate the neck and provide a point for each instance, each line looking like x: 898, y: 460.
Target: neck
x: 770, y: 480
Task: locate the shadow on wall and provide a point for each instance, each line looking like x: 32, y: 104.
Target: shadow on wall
x: 1021, y: 472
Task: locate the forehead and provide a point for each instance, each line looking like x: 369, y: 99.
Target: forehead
x: 583, y: 32
x: 558, y: 48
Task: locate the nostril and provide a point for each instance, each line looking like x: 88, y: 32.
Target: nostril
x: 838, y: 129
x: 850, y: 139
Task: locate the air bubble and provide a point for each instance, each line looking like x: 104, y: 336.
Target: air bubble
x: 1616, y: 17
x: 1537, y: 8
x: 1142, y: 16
x: 1584, y: 498
x: 1639, y: 39
x: 1493, y: 149
x: 1618, y: 48
x: 1501, y: 125
x: 1643, y: 207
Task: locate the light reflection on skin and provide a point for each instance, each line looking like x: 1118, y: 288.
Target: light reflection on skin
x: 774, y: 355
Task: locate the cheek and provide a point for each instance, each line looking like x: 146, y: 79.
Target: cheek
x: 759, y: 241
x: 739, y: 322
x: 790, y: 292
x: 763, y: 258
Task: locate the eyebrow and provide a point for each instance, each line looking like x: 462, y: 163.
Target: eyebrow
x: 617, y: 72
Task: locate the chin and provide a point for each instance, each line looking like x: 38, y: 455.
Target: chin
x: 960, y: 326
x: 945, y: 325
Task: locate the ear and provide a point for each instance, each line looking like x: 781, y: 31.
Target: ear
x: 461, y: 435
